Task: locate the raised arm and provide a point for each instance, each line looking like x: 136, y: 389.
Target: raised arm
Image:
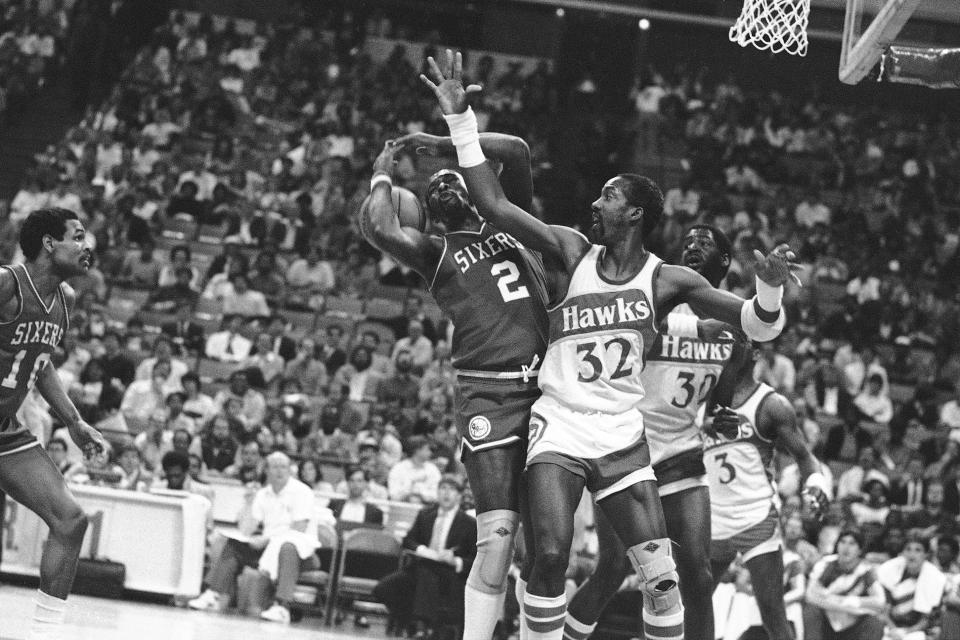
x: 554, y: 242
x: 510, y: 152
x: 381, y: 227
x: 781, y: 420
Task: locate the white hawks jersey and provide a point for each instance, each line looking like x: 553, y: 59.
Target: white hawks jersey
x: 678, y: 378
x: 606, y: 328
x: 739, y: 468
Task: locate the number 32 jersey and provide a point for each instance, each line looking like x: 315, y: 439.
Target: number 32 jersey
x: 27, y: 340
x: 494, y: 291
x: 599, y: 337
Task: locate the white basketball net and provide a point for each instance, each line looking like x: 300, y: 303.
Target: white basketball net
x: 774, y: 25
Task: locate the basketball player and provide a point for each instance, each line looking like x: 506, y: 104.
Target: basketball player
x: 493, y: 290
x: 738, y: 453
x: 679, y: 375
x: 35, y: 305
x: 585, y: 429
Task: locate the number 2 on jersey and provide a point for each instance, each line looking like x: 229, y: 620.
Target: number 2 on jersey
x: 10, y: 382
x: 505, y: 281
x: 585, y: 349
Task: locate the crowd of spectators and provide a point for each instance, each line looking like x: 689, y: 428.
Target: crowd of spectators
x: 260, y: 140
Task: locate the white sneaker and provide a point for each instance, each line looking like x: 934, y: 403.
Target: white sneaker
x: 277, y: 613
x: 209, y: 600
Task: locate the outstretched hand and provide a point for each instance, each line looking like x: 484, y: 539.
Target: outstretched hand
x: 777, y: 267
x: 447, y: 83
x: 385, y: 161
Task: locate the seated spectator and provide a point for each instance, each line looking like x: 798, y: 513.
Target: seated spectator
x: 250, y: 468
x: 794, y: 540
x: 135, y: 475
x: 844, y: 599
x: 857, y: 372
x: 908, y: 489
x: 445, y: 537
x: 228, y: 344
x: 135, y: 340
x: 243, y: 300
x: 914, y: 588
x: 196, y: 404
x: 278, y: 524
x: 379, y: 363
x: 219, y: 445
x: 155, y: 440
x: 873, y: 403
x: 265, y: 360
x: 176, y: 476
x: 185, y: 202
x: 141, y: 270
x: 308, y: 472
x: 357, y: 377
x: 945, y: 558
x: 184, y: 332
x: 852, y: 480
x: 307, y: 366
x: 266, y: 278
x: 875, y: 509
x: 57, y: 450
x: 95, y: 397
x: 440, y: 376
x: 180, y: 293
x: 355, y: 509
x: 844, y: 442
x: 144, y: 397
x: 932, y: 520
x: 415, y: 479
x: 308, y: 279
x: 279, y: 436
x: 180, y: 259
x: 403, y: 386
x: 183, y: 441
x: 116, y: 365
x: 419, y: 346
x: 163, y: 352
x: 253, y: 406
x: 331, y: 352
x: 278, y: 328
x: 231, y: 261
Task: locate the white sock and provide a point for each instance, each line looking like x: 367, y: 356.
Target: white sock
x: 48, y: 616
x: 519, y: 590
x: 545, y: 616
x: 481, y: 612
x: 573, y: 629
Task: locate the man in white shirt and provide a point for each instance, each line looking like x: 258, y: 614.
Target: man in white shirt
x: 355, y: 509
x: 254, y: 405
x: 228, y: 345
x: 278, y: 534
x: 143, y: 397
x: 415, y: 479
x: 243, y: 300
x: 419, y: 346
x: 163, y: 352
x: 873, y: 402
x: 857, y: 371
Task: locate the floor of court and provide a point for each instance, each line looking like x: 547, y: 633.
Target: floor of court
x: 100, y: 619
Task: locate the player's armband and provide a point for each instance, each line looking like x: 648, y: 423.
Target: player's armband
x: 769, y: 299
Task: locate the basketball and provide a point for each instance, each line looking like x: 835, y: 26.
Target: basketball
x: 407, y: 206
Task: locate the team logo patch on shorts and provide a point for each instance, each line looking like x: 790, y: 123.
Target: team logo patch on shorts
x: 479, y: 428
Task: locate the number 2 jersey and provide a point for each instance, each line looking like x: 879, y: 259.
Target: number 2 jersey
x: 26, y: 342
x: 599, y: 337
x: 678, y: 378
x: 739, y: 471
x: 494, y: 291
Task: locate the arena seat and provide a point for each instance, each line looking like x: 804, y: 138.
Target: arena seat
x: 366, y: 556
x: 214, y: 370
x: 383, y: 308
x: 343, y: 306
x: 180, y: 228
x: 315, y: 587
x: 390, y: 292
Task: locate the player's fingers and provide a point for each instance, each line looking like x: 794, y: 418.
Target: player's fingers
x: 458, y: 66
x: 448, y: 65
x: 474, y: 88
x: 796, y: 279
x: 427, y: 82
x: 758, y: 256
x: 435, y: 70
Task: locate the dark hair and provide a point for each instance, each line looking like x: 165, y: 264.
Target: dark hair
x: 914, y: 538
x: 128, y: 448
x: 59, y: 441
x: 852, y: 533
x: 180, y: 247
x: 950, y: 541
x: 175, y: 459
x: 190, y: 375
x: 415, y: 443
x: 43, y: 222
x: 643, y: 192
x: 723, y: 241
x: 355, y: 468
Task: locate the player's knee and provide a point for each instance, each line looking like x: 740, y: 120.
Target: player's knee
x: 658, y: 575
x: 552, y: 561
x: 496, y: 531
x: 697, y: 579
x: 71, y: 525
x: 289, y: 549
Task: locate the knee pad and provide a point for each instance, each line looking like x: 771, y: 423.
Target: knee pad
x: 653, y: 562
x: 496, y: 531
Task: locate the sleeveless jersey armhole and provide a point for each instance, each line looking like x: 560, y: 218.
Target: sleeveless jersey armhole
x: 436, y: 272
x: 760, y: 404
x: 66, y: 310
x: 654, y: 284
x: 576, y: 265
x: 18, y: 292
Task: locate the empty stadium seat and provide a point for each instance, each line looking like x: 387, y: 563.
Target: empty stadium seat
x: 366, y: 556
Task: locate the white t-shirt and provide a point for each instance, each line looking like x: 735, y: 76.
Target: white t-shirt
x: 277, y: 511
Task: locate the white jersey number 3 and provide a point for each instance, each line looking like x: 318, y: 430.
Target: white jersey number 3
x: 507, y: 280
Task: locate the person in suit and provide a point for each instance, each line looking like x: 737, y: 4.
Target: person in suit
x: 331, y: 353
x: 355, y: 508
x: 283, y: 345
x: 442, y: 545
x: 184, y: 332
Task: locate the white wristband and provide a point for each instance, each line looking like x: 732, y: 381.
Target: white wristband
x: 378, y: 178
x: 819, y: 481
x: 466, y: 138
x: 682, y: 325
x: 769, y: 297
